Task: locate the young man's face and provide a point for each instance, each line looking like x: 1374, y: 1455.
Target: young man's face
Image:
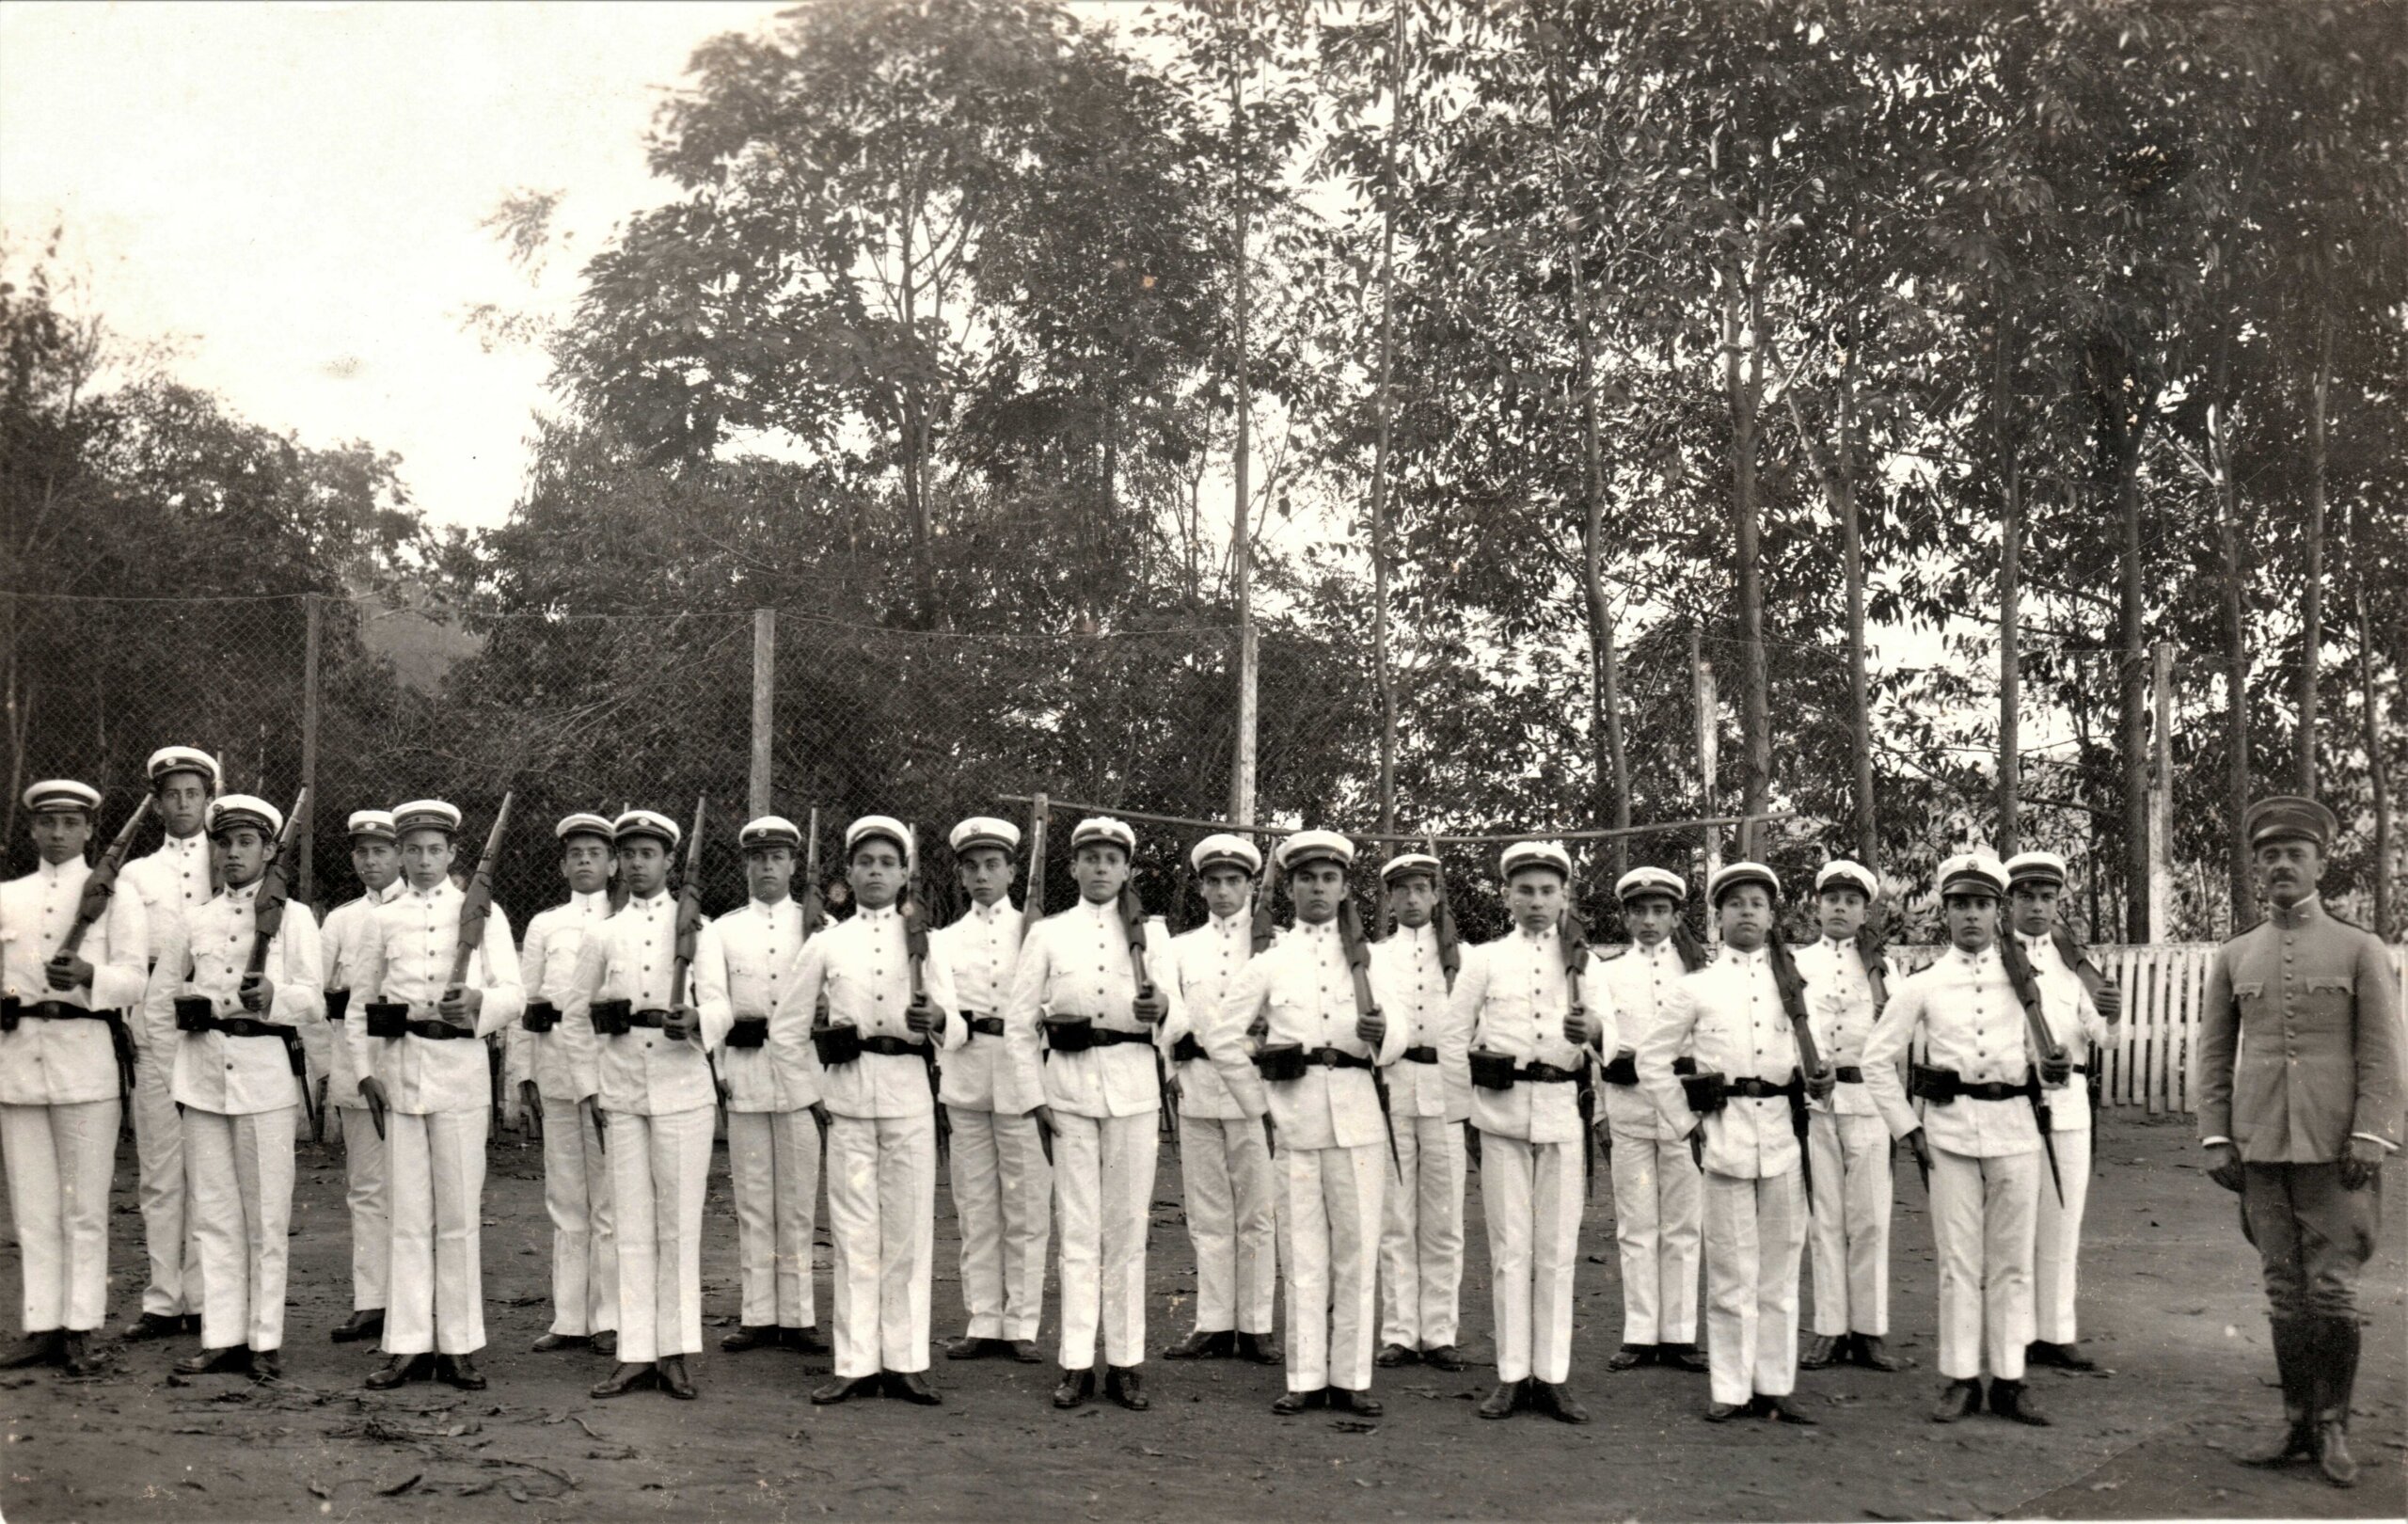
x: 643, y: 861
x: 1414, y: 899
x: 1317, y: 889
x: 1972, y: 920
x: 2288, y: 868
x: 1650, y: 918
x: 768, y: 872
x: 183, y: 801
x: 986, y: 874
x: 1840, y: 910
x: 1101, y: 868
x: 2034, y: 905
x: 1534, y: 897
x: 59, y: 834
x: 426, y: 857
x: 877, y: 872
x: 585, y: 863
x: 1226, y: 891
x: 377, y: 861
x: 1746, y: 915
x: 243, y: 854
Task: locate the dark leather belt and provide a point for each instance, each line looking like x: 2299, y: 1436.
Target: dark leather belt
x: 984, y: 1025
x: 1546, y: 1074
x: 438, y: 1031
x: 1188, y: 1049
x: 1760, y: 1089
x: 1941, y: 1086
x: 892, y: 1047
x: 2082, y: 1069
x: 1849, y: 1074
x: 245, y: 1026
x: 59, y: 1010
x: 1335, y: 1058
x: 653, y: 1019
x: 1990, y: 1090
x: 338, y: 1001
x: 1422, y: 1054
x: 749, y: 1032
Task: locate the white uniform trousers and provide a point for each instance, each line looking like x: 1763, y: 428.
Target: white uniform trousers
x: 171, y: 1234
x: 241, y: 1204
x: 1531, y: 1194
x: 1983, y: 1213
x: 372, y: 1219
x: 773, y: 1164
x: 1755, y: 1234
x: 1330, y: 1201
x: 59, y: 1160
x: 881, y: 1221
x: 437, y: 1178
x: 585, y: 1240
x: 659, y: 1167
x: 1421, y: 1235
x: 1104, y: 1177
x: 1002, y: 1192
x: 1660, y: 1232
x: 2056, y: 1250
x: 1226, y: 1176
x: 1850, y: 1234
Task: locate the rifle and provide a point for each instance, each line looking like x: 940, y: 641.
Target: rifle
x: 689, y: 930
x: 1132, y: 915
x: 2077, y: 958
x: 476, y: 904
x: 1358, y: 963
x: 1692, y: 952
x: 2044, y: 1045
x: 1574, y: 936
x: 267, y: 919
x: 1786, y: 979
x: 916, y: 952
x: 1262, y: 933
x: 1033, y: 911
x: 814, y: 904
x: 98, y: 888
x: 1442, y: 925
x: 1877, y: 975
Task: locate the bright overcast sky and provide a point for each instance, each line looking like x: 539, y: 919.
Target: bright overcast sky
x: 291, y: 194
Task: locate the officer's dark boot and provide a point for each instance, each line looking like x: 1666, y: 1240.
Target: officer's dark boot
x: 2336, y: 1373
x: 2291, y: 1336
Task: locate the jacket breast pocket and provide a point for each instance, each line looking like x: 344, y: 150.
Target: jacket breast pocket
x: 2324, y: 1003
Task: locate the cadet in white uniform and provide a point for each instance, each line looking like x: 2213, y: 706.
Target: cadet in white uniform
x: 553, y: 1069
x: 2083, y: 1024
x: 1659, y: 1198
x: 171, y: 883
x: 1729, y: 1016
x: 235, y: 1086
x: 1962, y: 1021
x: 430, y: 1079
x: 1108, y: 1026
x: 377, y: 858
x: 875, y: 1048
x: 1002, y: 1188
x: 742, y: 962
x: 1225, y: 1162
x: 1849, y: 1238
x: 657, y: 1103
x: 1315, y: 1068
x: 1421, y: 1238
x: 1534, y: 1024
x: 62, y: 1094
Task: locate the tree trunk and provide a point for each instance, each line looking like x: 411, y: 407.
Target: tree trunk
x: 2370, y: 714
x: 2311, y: 640
x: 1242, y: 771
x: 2133, y: 674
x: 1385, y: 409
x: 1868, y: 835
x: 2231, y: 549
x: 2006, y: 457
x: 1743, y: 385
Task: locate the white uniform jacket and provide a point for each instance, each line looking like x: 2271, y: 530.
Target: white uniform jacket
x: 632, y: 957
x: 238, y: 1075
x: 1961, y: 1013
x: 1727, y: 1017
x: 57, y: 1063
x: 341, y: 940
x: 861, y: 965
x: 1514, y: 995
x: 1839, y: 1011
x: 409, y: 959
x: 566, y: 1063
x: 2073, y: 1016
x: 988, y: 1073
x: 742, y: 962
x: 1207, y: 961
x: 1411, y: 984
x: 1077, y: 963
x: 1304, y: 988
x: 1640, y: 981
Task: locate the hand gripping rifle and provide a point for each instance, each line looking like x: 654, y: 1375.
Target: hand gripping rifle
x: 689, y: 931
x: 1262, y: 933
x: 1358, y: 963
x: 267, y: 919
x: 1132, y: 916
x: 2045, y: 1046
x: 99, y: 886
x: 476, y: 907
x: 1442, y: 925
x: 916, y: 952
x: 1791, y: 986
x: 1574, y: 936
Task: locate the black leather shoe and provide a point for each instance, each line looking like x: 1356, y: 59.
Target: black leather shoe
x: 1361, y: 1404
x: 749, y: 1336
x: 912, y: 1387
x: 1289, y: 1403
x: 2064, y: 1357
x: 551, y: 1341
x: 1076, y: 1387
x: 1821, y: 1352
x: 1502, y: 1403
x: 368, y: 1323
x: 396, y: 1370
x: 1123, y: 1385
x: 1874, y: 1355
x: 1445, y: 1357
x: 1957, y: 1400
x: 2297, y: 1449
x: 2013, y: 1400
x: 2333, y: 1452
x: 1631, y: 1356
x: 1724, y: 1412
x: 1557, y: 1401
x: 1782, y: 1410
x: 1262, y: 1349
x: 151, y: 1325
x: 1204, y: 1344
x: 670, y: 1371
x: 1392, y: 1356
x: 1681, y: 1357
x: 844, y: 1390
x: 1024, y: 1351
x: 459, y: 1371
x: 75, y: 1354
x: 606, y: 1343
x: 803, y: 1341
x: 970, y: 1347
x: 266, y: 1365
x: 211, y: 1361
x: 48, y: 1347
x: 626, y: 1378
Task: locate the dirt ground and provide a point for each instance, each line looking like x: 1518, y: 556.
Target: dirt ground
x: 2170, y: 1307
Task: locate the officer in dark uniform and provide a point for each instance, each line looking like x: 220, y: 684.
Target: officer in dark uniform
x: 2299, y: 1121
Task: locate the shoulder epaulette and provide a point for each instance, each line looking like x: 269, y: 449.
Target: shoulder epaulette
x: 2244, y: 931
x: 1610, y: 956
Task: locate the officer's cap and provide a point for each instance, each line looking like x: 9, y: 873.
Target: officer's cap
x: 1404, y: 865
x: 582, y: 824
x: 371, y: 825
x: 1972, y: 873
x: 878, y: 828
x: 2289, y: 817
x: 168, y: 759
x: 426, y: 815
x: 769, y: 830
x: 636, y: 823
x: 1226, y: 848
x: 1641, y: 882
x: 56, y: 794
x: 1105, y: 829
x: 985, y: 830
x: 1730, y: 876
x: 2036, y: 867
x: 1305, y: 848
x: 1845, y: 873
x: 227, y: 810
x: 1530, y: 854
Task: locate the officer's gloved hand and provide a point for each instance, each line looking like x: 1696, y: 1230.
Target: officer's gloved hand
x: 2110, y: 1001
x: 2224, y: 1166
x: 2362, y: 1163
x: 2056, y: 1068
